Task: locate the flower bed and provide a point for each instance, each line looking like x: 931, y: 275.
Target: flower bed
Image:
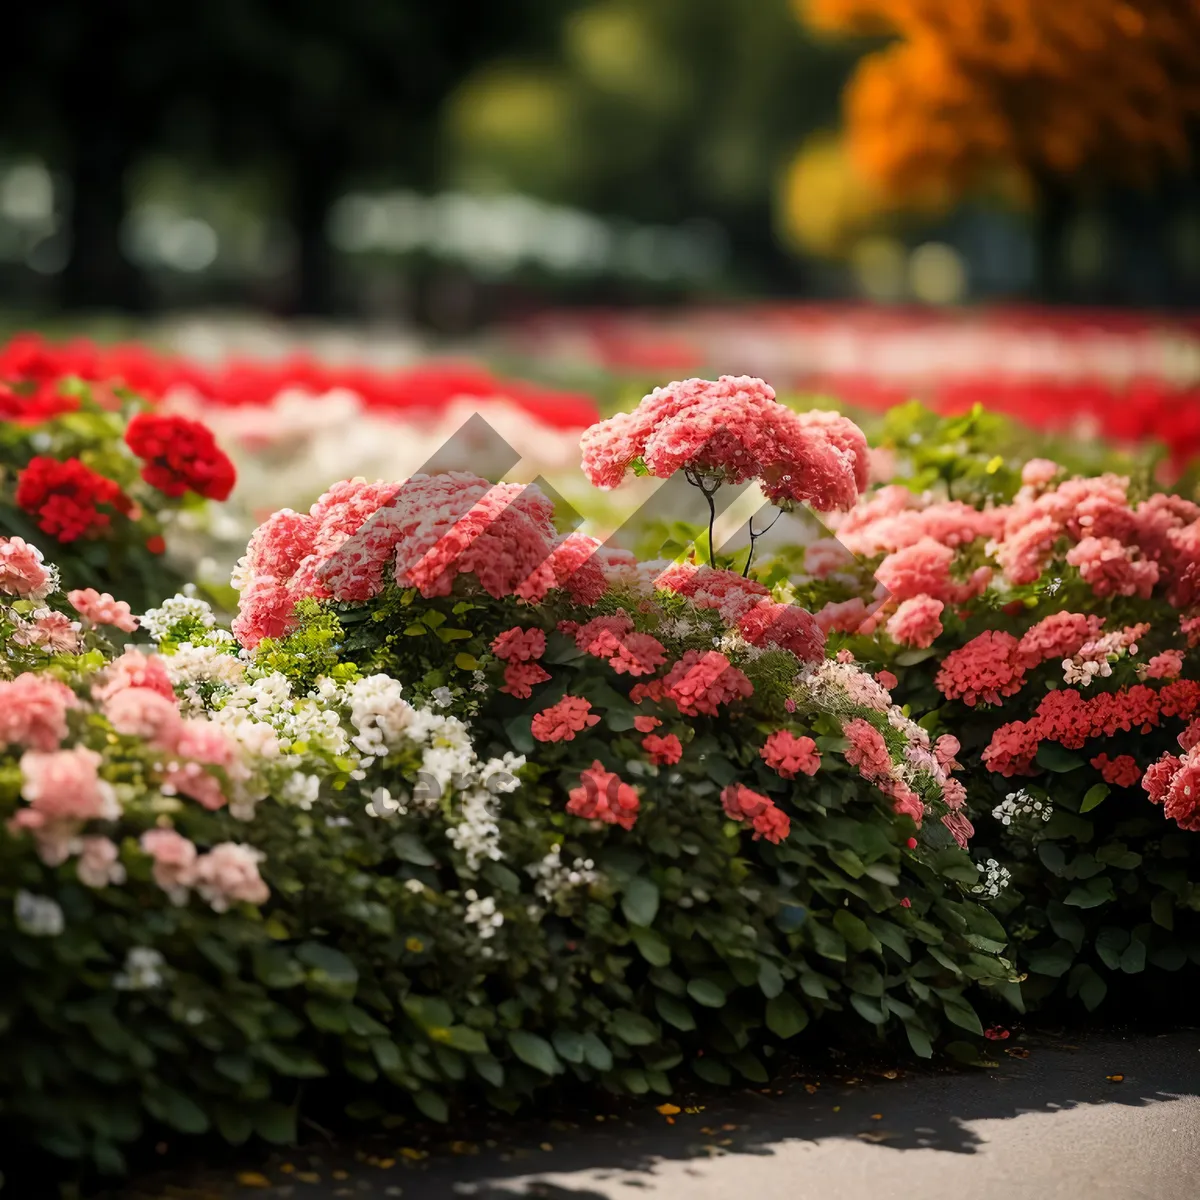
x: 620, y: 821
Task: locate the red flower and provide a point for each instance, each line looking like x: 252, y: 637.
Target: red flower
x: 67, y: 498
x: 180, y: 456
x: 662, y: 751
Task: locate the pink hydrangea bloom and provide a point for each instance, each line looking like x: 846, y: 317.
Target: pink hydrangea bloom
x: 604, y: 796
x: 785, y: 626
x: 825, y: 557
x: 733, y: 430
x: 1111, y: 568
x: 206, y: 745
x: 99, y: 863
x: 136, y: 670
x: 886, y: 679
x: 1156, y: 780
x: 713, y: 587
x: 142, y: 712
x: 664, y: 750
x: 22, y: 570
x: 65, y: 785
x: 101, y: 609
x: 33, y: 711
x: 986, y: 668
x: 1167, y: 665
x: 519, y: 645
x: 228, y: 874
x: 790, y: 755
x: 562, y: 721
x: 520, y: 678
x: 916, y: 622
x: 1060, y: 635
x: 701, y: 681
x: 842, y: 616
x: 946, y: 750
x: 174, y: 860
x: 1182, y: 801
x: 867, y: 750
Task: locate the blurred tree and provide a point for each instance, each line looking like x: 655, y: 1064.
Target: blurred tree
x: 1069, y: 94
x: 311, y: 94
x: 656, y: 110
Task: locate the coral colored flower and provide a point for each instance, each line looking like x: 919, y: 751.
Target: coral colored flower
x: 790, y: 755
x: 1182, y: 801
x: 519, y: 645
x: 101, y: 609
x: 844, y: 616
x: 773, y: 824
x: 1038, y: 472
x: 767, y: 820
x: 562, y: 721
x: 960, y: 828
x: 701, y: 681
x: 922, y: 569
x: 917, y: 622
x: 206, y: 745
x: 1111, y: 568
x: 663, y: 751
x: 646, y: 724
x: 1167, y: 665
x: 786, y: 627
x: 867, y: 750
x: 180, y: 455
x: 1024, y: 553
x: 68, y: 499
x: 228, y: 874
x: 520, y: 678
x: 732, y: 430
x: 66, y: 785
x: 1158, y: 776
x: 156, y: 544
x: 52, y: 632
x: 886, y: 679
x: 604, y: 796
x: 1121, y: 771
x: 1060, y: 635
x: 22, y: 571
x: 174, y: 860
x: 986, y: 668
x: 33, y: 711
x: 905, y: 902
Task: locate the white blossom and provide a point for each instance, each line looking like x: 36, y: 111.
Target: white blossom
x: 995, y: 879
x: 142, y: 970
x: 38, y: 916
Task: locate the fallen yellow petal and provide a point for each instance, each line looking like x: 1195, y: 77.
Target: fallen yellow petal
x: 668, y: 1110
x: 253, y: 1179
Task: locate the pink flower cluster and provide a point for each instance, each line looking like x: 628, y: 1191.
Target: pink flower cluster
x: 562, y: 721
x: 101, y: 609
x: 731, y: 430
x: 604, y: 796
x: 22, y: 570
x: 765, y: 817
x: 228, y: 874
x: 790, y: 755
x: 701, y: 681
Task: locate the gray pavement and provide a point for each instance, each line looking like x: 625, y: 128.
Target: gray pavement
x: 1102, y: 1118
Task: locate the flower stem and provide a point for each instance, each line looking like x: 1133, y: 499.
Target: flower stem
x: 754, y: 538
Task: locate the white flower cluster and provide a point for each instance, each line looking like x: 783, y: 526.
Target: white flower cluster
x: 142, y: 970
x: 554, y: 877
x: 38, y: 916
x: 192, y: 665
x: 1017, y: 805
x: 380, y: 714
x: 158, y: 622
x: 482, y: 913
x: 995, y: 879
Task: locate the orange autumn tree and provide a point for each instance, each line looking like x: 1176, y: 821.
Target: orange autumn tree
x: 974, y: 89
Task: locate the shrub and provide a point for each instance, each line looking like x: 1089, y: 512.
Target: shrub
x: 623, y: 820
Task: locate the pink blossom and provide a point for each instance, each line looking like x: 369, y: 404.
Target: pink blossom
x: 946, y: 750
x: 99, y: 863
x: 825, y: 556
x: 207, y: 745
x: 604, y: 796
x: 1060, y: 635
x: 920, y: 569
x: 228, y: 874
x: 886, y: 679
x: 101, y: 609
x: 22, y: 573
x: 33, y: 711
x: 142, y: 712
x: 1038, y: 472
x: 136, y: 670
x: 562, y: 721
x: 1167, y: 665
x: 519, y: 645
x: 174, y: 860
x: 867, y: 750
x: 646, y: 724
x: 702, y: 681
x: 663, y: 751
x: 916, y: 622
x: 1024, y: 553
x: 66, y: 785
x: 986, y: 668
x: 520, y: 678
x: 50, y: 631
x: 960, y: 828
x: 790, y: 755
x: 785, y: 627
x: 844, y: 616
x: 1111, y: 568
x: 743, y: 804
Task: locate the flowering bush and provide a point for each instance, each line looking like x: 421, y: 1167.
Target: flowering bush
x: 621, y: 820
x: 100, y: 478
x: 1048, y: 623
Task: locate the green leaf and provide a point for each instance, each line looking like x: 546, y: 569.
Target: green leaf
x: 705, y: 992
x: 569, y: 1045
x: 1053, y: 856
x: 432, y: 1105
x: 674, y: 1012
x: 466, y: 1039
x: 1096, y: 891
x: 174, y: 1109
x: 409, y: 848
x: 1067, y: 923
x: 330, y: 971
x: 786, y: 1016
x: 960, y: 1012
x: 1134, y: 959
x: 1087, y: 984
x: 233, y: 1123
x: 855, y: 931
x: 1110, y: 944
x: 652, y: 947
x: 1162, y: 910
x: 1093, y: 796
x: 918, y: 1039
x: 275, y: 1123
x: 640, y: 902
x: 466, y: 662
x: 634, y: 1029
x: 1053, y: 757
x: 289, y: 1060
x: 429, y: 1012
x: 275, y: 967
x: 1053, y: 961
x: 769, y: 979
x: 534, y: 1051
x: 598, y: 1055
x: 712, y: 1071
x: 827, y: 943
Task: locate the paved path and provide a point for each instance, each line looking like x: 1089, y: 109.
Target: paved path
x: 1051, y: 1125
